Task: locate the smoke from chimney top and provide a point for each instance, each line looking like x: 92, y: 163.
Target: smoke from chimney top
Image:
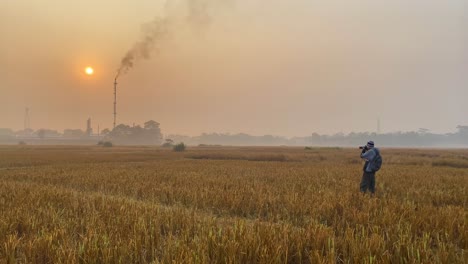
x: 197, y: 16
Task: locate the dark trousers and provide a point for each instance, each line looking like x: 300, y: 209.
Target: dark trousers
x: 368, y: 182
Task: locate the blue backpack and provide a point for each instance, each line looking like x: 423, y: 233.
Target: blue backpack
x: 377, y: 161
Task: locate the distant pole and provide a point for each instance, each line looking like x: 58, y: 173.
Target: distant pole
x: 26, y: 120
x: 378, y: 125
x: 115, y: 101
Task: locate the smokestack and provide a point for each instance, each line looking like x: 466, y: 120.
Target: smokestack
x: 154, y: 32
x: 115, y: 100
x: 89, y: 130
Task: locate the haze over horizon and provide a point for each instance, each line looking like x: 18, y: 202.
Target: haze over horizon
x: 276, y: 67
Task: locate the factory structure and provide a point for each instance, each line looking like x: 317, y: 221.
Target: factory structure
x: 50, y: 136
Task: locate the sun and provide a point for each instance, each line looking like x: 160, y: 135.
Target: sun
x: 89, y: 71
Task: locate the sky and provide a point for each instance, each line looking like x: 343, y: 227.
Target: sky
x: 277, y: 67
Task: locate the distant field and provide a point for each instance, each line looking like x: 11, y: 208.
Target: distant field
x: 230, y: 205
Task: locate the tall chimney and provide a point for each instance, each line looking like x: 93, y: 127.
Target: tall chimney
x: 115, y: 101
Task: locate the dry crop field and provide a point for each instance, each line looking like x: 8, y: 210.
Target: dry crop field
x: 230, y: 205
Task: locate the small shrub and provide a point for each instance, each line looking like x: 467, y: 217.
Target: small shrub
x: 107, y: 144
x: 308, y: 148
x: 100, y: 143
x: 179, y: 147
x: 22, y: 143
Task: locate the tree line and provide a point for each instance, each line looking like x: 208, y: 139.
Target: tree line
x: 150, y: 134
x: 420, y: 138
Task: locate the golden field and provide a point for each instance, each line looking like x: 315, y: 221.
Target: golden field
x: 230, y: 205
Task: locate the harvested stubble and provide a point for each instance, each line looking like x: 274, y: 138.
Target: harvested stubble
x: 142, y: 205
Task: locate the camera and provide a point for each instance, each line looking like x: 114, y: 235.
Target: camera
x: 362, y: 147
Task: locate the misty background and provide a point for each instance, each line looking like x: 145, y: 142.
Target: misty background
x: 286, y: 68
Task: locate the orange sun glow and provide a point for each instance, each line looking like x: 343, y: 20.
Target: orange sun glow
x: 89, y: 71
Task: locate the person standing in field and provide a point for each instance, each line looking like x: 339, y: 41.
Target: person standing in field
x: 371, y: 155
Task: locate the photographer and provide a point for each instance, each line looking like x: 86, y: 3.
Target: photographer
x: 373, y: 163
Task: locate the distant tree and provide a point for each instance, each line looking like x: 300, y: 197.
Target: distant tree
x: 149, y: 134
x: 462, y: 134
x: 151, y: 125
x: 6, y: 132
x: 121, y: 131
x: 152, y: 132
x: 74, y: 133
x: 105, y: 131
x: 462, y: 129
x: 26, y: 132
x: 168, y: 143
x: 41, y: 133
x: 315, y: 138
x: 186, y: 139
x: 423, y: 131
x: 51, y: 133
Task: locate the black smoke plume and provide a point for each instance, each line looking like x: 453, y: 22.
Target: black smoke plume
x: 154, y: 32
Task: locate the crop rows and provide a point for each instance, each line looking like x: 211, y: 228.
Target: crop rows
x: 229, y: 205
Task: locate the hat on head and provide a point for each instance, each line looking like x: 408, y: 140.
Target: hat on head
x: 370, y: 144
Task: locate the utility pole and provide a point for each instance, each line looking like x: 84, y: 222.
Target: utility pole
x: 115, y: 101
x: 26, y: 121
x: 378, y: 125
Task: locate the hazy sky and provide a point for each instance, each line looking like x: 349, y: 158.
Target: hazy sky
x: 281, y: 67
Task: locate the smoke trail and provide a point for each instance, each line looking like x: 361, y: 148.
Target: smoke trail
x: 156, y: 30
x: 198, y: 13
x: 152, y: 33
